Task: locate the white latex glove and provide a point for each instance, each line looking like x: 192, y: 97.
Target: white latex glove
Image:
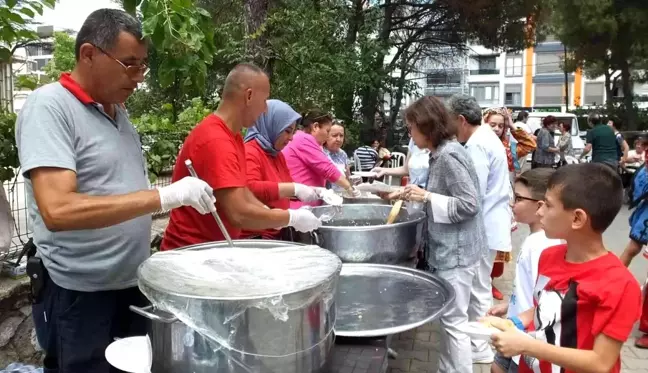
x: 380, y: 172
x: 305, y: 193
x: 303, y: 220
x: 188, y: 192
x: 353, y: 192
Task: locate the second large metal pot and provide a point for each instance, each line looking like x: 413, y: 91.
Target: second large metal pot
x: 358, y: 233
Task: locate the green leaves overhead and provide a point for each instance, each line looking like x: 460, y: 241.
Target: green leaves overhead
x: 182, y: 36
x: 15, y: 21
x: 9, y: 159
x: 63, y: 59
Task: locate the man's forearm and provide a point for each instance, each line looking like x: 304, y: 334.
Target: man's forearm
x: 81, y: 211
x: 249, y: 196
x: 254, y: 218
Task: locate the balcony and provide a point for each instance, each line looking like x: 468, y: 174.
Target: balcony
x: 444, y: 90
x: 485, y: 72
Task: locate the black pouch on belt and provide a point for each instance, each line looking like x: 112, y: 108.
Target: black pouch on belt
x: 35, y: 271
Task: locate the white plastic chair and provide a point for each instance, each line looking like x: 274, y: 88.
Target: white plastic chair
x: 397, y: 160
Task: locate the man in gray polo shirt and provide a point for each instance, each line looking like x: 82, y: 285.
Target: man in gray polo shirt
x: 88, y: 197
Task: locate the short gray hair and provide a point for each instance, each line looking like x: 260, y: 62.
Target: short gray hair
x: 102, y: 27
x: 467, y: 106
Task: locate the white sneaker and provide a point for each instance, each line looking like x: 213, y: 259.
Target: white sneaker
x: 483, y: 357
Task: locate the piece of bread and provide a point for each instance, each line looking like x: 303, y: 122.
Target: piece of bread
x: 498, y: 323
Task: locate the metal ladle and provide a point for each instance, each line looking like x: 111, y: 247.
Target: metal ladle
x: 193, y: 173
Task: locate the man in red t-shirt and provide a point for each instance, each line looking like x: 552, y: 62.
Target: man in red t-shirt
x: 586, y: 301
x: 215, y: 147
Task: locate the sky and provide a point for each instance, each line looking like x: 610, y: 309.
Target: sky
x: 70, y: 14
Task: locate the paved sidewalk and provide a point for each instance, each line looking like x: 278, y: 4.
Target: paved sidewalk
x: 418, y: 350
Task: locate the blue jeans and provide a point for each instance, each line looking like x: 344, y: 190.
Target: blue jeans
x: 74, y: 328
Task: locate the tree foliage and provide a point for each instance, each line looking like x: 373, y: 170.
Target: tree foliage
x: 16, y: 16
x: 63, y: 58
x: 605, y: 37
x: 344, y: 56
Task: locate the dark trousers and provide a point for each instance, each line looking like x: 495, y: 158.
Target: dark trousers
x: 74, y: 328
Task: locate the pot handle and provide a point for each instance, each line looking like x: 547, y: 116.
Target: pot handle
x: 316, y: 238
x: 146, y: 312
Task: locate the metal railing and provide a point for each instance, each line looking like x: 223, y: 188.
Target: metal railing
x: 485, y: 72
x: 22, y: 225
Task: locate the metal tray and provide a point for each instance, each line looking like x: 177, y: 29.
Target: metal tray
x: 377, y: 300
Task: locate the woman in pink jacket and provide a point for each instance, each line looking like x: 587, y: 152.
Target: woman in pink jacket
x: 305, y: 157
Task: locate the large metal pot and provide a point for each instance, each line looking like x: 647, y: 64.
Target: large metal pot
x: 248, y: 337
x: 365, y: 201
x: 358, y: 234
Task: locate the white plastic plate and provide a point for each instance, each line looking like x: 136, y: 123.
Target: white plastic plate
x: 375, y: 187
x: 365, y: 174
x: 479, y: 331
x: 132, y: 354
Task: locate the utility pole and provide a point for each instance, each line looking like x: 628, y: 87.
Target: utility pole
x: 566, y: 78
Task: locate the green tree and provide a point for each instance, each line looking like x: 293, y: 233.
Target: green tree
x: 605, y: 36
x: 16, y: 17
x: 63, y: 59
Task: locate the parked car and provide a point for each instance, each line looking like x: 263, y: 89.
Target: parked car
x: 578, y: 144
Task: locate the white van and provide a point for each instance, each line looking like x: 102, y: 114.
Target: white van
x: 535, y: 123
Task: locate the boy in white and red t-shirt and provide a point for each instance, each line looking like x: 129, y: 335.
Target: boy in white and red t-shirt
x: 529, y: 192
x: 586, y: 301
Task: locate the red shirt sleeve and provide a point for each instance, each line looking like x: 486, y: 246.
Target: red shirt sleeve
x: 265, y: 190
x: 619, y: 308
x: 219, y: 162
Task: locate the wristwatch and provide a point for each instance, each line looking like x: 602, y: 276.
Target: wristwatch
x: 517, y: 322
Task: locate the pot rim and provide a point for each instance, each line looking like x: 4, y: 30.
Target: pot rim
x: 141, y: 281
x: 369, y: 228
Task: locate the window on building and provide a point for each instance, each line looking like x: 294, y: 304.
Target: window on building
x: 487, y: 65
x: 443, y: 77
x: 551, y: 94
x: 487, y: 62
x: 513, y: 94
x: 549, y: 63
x: 594, y: 93
x: 514, y: 65
x: 36, y: 50
x: 40, y: 63
x: 486, y: 94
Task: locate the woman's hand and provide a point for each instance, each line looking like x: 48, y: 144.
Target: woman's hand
x: 380, y: 171
x: 509, y: 121
x: 306, y: 193
x: 390, y: 196
x: 415, y: 193
x: 498, y: 310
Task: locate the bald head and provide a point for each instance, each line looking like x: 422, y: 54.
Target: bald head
x: 245, y: 93
x: 243, y: 77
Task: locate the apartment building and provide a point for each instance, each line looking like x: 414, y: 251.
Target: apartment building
x: 532, y: 79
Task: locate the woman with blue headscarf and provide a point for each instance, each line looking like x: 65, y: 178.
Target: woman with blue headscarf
x: 268, y: 176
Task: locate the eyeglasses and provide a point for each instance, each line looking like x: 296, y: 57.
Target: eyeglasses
x: 519, y: 198
x: 131, y: 70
